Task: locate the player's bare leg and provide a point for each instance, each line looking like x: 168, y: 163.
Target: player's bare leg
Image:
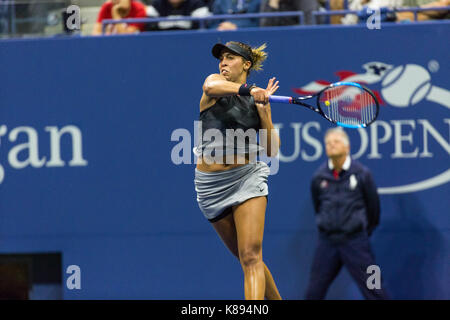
x: 226, y: 229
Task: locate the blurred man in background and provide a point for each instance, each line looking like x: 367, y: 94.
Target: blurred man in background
x: 235, y: 7
x: 307, y: 6
x: 347, y: 210
x: 177, y: 8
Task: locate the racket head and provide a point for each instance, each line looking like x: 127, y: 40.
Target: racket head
x: 348, y: 104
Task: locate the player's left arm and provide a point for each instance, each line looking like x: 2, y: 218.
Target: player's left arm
x: 270, y: 141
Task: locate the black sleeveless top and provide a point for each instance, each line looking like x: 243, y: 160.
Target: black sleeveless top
x: 231, y: 112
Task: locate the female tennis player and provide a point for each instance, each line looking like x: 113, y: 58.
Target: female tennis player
x: 232, y: 194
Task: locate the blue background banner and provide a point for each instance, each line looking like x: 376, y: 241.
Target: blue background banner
x: 88, y: 138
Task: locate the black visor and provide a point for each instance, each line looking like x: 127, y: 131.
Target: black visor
x: 234, y: 48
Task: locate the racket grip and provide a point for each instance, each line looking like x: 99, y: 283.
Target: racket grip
x: 280, y: 99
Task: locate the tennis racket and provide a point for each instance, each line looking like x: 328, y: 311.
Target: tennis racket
x: 347, y: 104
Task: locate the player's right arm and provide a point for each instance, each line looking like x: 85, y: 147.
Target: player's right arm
x: 214, y: 87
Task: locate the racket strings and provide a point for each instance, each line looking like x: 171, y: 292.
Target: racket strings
x: 348, y: 104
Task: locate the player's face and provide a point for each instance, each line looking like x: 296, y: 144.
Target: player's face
x: 335, y: 145
x: 231, y: 66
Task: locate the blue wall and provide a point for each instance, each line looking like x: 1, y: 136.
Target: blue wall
x: 127, y: 215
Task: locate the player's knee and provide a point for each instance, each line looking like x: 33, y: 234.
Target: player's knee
x: 251, y: 255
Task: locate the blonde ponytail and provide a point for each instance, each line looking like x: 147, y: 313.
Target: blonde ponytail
x: 258, y: 54
x: 258, y: 57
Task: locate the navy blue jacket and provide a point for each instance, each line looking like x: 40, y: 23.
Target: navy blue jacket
x: 348, y: 204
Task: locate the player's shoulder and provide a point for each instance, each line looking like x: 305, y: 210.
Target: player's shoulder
x: 214, y: 76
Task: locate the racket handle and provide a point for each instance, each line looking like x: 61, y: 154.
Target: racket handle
x: 280, y: 99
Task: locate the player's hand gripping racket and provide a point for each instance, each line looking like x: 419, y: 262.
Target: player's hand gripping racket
x: 347, y: 104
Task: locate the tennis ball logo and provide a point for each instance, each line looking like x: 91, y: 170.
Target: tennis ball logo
x: 407, y: 85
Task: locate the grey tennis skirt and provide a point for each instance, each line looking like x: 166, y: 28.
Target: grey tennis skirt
x: 218, y: 191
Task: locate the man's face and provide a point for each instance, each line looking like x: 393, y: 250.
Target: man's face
x: 231, y: 65
x: 335, y: 145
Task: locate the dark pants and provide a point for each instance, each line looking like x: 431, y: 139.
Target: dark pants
x: 355, y: 253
